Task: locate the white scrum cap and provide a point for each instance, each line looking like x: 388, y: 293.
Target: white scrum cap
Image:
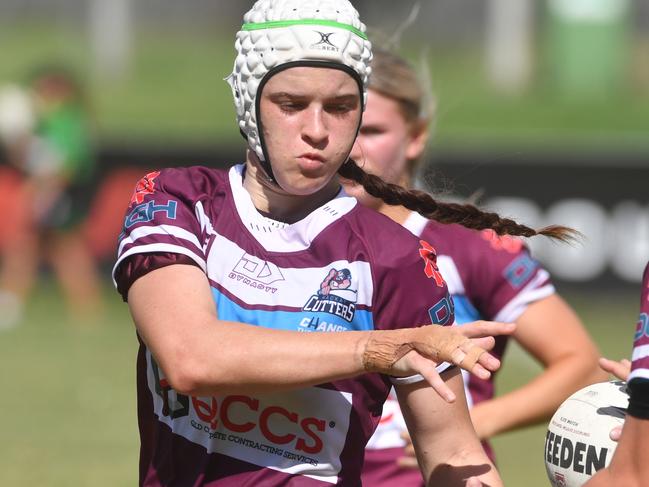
x: 278, y: 32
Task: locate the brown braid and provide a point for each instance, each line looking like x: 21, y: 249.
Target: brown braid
x: 466, y: 215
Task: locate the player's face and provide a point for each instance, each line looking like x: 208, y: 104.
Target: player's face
x: 384, y: 146
x: 309, y: 118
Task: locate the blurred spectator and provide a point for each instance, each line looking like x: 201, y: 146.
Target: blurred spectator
x: 46, y: 136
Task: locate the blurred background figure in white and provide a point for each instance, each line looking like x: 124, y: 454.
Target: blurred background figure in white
x: 45, y: 131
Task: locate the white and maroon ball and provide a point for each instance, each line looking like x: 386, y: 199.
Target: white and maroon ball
x: 577, y: 443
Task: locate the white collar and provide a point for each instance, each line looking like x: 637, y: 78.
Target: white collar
x: 277, y: 236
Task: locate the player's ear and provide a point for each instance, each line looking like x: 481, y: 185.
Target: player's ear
x: 418, y: 140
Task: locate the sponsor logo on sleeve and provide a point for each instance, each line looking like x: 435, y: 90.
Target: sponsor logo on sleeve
x: 335, y: 296
x: 147, y: 212
x: 144, y: 186
x: 642, y: 327
x: 443, y: 311
x: 428, y: 254
x: 520, y: 270
x: 502, y: 242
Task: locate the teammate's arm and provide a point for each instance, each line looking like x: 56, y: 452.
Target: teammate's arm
x: 553, y: 334
x: 200, y: 354
x: 448, y: 450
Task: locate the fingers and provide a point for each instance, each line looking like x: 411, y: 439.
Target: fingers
x: 620, y: 369
x: 426, y: 368
x: 489, y: 362
x: 473, y: 482
x: 408, y: 462
x: 468, y: 360
x: 409, y: 458
x: 484, y: 342
x: 615, y: 433
x: 475, y: 360
x: 481, y: 328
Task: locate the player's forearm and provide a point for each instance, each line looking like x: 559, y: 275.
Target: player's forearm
x: 238, y: 358
x: 201, y: 354
x: 448, y: 451
x: 537, y: 400
x: 461, y: 466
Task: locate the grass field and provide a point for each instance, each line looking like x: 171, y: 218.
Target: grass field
x: 67, y: 413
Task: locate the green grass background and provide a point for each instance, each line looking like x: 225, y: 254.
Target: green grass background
x: 67, y: 413
x: 175, y: 93
x: 67, y: 410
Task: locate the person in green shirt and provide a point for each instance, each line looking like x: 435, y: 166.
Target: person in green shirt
x: 57, y: 166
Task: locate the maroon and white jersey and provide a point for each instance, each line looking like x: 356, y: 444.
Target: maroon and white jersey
x: 640, y: 356
x: 341, y: 268
x: 489, y: 277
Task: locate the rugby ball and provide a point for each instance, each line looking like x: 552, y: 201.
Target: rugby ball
x: 577, y: 443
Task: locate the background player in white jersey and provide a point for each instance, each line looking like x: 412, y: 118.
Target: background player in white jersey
x: 228, y: 274
x: 629, y: 466
x: 489, y: 277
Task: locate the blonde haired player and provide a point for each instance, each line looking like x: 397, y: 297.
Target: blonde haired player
x: 274, y: 312
x: 489, y: 277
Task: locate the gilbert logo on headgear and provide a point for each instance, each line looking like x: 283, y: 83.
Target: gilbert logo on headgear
x: 325, y: 42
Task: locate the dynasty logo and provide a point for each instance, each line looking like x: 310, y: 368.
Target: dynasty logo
x: 334, y: 296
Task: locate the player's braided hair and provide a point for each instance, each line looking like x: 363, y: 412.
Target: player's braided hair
x: 466, y: 215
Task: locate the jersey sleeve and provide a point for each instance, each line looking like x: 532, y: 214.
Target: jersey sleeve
x: 411, y: 292
x: 505, y: 279
x: 638, y: 382
x: 640, y: 356
x: 161, y: 220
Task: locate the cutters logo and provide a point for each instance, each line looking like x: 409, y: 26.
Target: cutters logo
x: 325, y: 41
x: 257, y: 273
x: 334, y: 296
x: 144, y: 186
x: 428, y: 254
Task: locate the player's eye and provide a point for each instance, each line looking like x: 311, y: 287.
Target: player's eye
x: 339, y: 108
x: 372, y: 130
x: 292, y: 106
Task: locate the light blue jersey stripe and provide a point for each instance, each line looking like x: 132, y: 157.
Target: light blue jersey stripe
x: 290, y: 320
x: 465, y: 312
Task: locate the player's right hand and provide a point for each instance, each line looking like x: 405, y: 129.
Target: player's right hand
x: 621, y: 370
x: 420, y: 350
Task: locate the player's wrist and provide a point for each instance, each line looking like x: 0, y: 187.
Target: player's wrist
x: 383, y: 349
